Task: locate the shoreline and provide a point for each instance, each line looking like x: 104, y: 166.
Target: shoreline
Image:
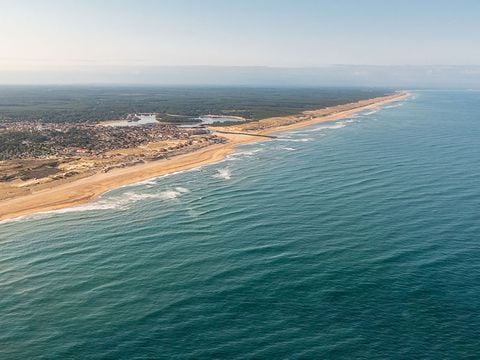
x: 90, y: 188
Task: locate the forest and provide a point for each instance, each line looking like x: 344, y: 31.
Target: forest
x: 87, y: 104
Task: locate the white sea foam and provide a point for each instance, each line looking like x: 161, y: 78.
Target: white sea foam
x: 16, y: 219
x: 147, y: 182
x: 287, y: 139
x: 246, y: 153
x: 163, y: 195
x: 223, y: 174
x: 249, y: 152
x: 288, y: 149
x: 393, y: 106
x: 102, y: 204
x: 335, y: 125
x: 117, y: 202
x: 154, y: 180
x: 182, y: 190
x: 122, y: 201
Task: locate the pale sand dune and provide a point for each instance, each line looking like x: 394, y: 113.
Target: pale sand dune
x: 86, y: 189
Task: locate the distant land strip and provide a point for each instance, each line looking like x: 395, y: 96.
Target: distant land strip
x: 80, y: 191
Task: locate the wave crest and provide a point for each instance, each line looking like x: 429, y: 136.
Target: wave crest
x: 121, y: 202
x: 223, y: 174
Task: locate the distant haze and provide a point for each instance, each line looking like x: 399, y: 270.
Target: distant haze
x: 337, y: 75
x: 245, y: 42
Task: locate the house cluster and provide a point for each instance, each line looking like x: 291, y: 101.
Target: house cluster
x: 37, y: 139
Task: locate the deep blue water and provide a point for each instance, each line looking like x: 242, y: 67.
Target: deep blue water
x: 354, y: 239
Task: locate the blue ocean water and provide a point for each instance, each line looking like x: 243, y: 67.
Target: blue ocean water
x: 354, y: 239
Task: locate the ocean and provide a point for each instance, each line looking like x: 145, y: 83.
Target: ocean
x: 355, y: 239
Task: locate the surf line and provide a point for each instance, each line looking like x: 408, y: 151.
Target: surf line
x: 246, y: 133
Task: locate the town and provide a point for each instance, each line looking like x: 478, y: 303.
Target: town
x: 38, y: 140
x: 34, y: 153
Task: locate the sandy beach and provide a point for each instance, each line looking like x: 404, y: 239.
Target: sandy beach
x: 80, y: 191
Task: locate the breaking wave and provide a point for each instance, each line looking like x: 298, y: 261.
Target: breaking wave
x: 246, y: 153
x: 223, y: 174
x: 121, y: 202
x: 335, y: 125
x: 287, y: 139
x: 393, y: 106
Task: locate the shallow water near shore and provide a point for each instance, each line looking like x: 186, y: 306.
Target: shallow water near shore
x: 357, y: 238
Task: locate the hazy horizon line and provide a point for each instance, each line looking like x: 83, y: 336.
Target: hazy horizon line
x: 101, y: 65
x: 405, y: 76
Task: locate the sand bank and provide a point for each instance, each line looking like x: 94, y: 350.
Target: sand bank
x: 87, y: 189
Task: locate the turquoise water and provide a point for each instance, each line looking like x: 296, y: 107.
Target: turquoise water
x: 354, y: 239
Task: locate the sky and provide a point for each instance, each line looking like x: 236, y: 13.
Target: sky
x: 69, y: 35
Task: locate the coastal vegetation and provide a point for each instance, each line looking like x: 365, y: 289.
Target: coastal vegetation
x: 82, y: 104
